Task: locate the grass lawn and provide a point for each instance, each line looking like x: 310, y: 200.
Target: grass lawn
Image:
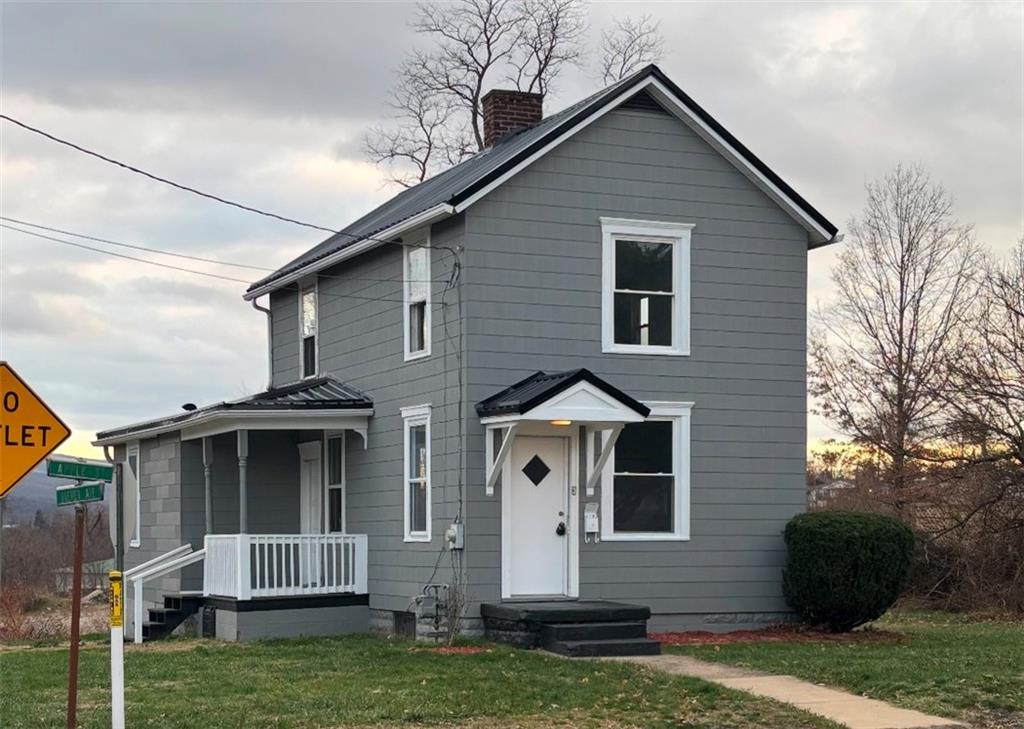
x: 368, y: 681
x: 949, y: 665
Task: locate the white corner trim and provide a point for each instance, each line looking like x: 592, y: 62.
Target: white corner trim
x: 412, y: 416
x: 679, y: 413
x: 427, y: 317
x: 678, y: 234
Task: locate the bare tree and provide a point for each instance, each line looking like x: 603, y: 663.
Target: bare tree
x: 904, y: 287
x: 438, y: 93
x: 629, y: 45
x: 550, y: 37
x: 424, y: 137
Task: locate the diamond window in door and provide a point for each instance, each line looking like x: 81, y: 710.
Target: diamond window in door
x: 536, y: 470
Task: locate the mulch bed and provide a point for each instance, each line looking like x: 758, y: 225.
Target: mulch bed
x: 452, y: 650
x: 776, y: 634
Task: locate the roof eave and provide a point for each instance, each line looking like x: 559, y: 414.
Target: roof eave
x: 253, y: 414
x: 427, y: 217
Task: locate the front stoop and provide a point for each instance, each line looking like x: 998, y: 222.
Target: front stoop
x: 576, y: 629
x: 176, y: 610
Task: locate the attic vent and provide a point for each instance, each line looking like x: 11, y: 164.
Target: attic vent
x: 642, y: 101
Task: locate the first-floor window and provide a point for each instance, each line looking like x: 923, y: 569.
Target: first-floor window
x: 647, y: 477
x: 133, y: 486
x: 335, y: 484
x: 417, y: 473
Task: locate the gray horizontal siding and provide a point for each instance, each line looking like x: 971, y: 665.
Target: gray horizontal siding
x: 533, y: 273
x: 361, y: 343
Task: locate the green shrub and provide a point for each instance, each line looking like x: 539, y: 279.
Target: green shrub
x: 844, y: 569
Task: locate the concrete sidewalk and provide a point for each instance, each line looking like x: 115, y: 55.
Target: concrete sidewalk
x: 841, y: 707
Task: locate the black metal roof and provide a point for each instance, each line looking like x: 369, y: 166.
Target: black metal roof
x: 539, y: 387
x: 463, y: 180
x: 321, y: 393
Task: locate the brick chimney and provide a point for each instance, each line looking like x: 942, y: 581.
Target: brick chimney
x: 509, y: 111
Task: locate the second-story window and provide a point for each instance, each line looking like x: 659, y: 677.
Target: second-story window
x: 646, y: 279
x: 417, y: 301
x: 308, y: 324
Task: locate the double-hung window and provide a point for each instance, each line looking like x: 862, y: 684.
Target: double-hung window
x: 308, y: 329
x: 416, y: 264
x: 417, y: 473
x: 646, y: 287
x: 646, y: 481
x: 336, y: 483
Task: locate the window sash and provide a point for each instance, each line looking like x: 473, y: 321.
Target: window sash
x: 416, y: 294
x: 133, y: 461
x: 309, y: 327
x: 630, y: 470
x: 416, y: 473
x: 645, y: 274
x: 335, y: 510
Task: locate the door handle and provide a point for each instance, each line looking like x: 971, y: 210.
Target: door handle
x: 560, y: 529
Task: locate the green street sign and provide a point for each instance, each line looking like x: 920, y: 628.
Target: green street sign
x: 81, y: 493
x: 79, y: 468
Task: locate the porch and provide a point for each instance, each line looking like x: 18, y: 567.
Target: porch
x: 259, y: 516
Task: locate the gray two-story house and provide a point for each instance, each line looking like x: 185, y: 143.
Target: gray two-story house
x: 550, y: 392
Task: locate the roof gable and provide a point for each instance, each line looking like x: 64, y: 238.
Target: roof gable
x: 455, y: 189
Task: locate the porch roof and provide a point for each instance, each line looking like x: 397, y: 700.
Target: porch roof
x: 541, y: 387
x: 307, y: 404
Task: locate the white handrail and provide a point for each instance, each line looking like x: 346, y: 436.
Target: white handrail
x: 174, y: 560
x: 247, y: 566
x: 183, y: 549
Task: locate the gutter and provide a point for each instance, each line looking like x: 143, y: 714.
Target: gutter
x: 430, y: 215
x: 270, y: 343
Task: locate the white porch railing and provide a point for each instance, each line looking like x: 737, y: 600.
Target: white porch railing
x: 165, y: 564
x: 244, y: 566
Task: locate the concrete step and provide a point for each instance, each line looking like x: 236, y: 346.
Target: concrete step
x: 615, y: 630
x: 595, y: 648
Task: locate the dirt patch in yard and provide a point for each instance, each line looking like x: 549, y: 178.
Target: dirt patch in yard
x: 452, y: 650
x: 777, y: 634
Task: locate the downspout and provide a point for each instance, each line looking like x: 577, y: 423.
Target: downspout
x: 118, y: 509
x: 270, y: 343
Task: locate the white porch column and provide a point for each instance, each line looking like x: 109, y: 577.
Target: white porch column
x: 208, y: 480
x: 243, y: 497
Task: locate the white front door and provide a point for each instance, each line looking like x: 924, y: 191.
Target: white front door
x: 538, y: 517
x: 311, y: 488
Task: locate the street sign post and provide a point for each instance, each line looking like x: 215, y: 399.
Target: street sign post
x: 81, y: 493
x: 82, y: 469
x: 29, y: 430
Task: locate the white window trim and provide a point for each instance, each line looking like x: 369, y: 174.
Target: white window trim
x: 330, y: 435
x: 679, y: 414
x: 135, y: 447
x: 613, y: 229
x: 315, y: 288
x: 413, y: 416
x: 406, y: 285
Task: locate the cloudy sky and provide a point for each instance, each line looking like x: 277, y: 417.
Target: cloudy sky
x: 267, y: 104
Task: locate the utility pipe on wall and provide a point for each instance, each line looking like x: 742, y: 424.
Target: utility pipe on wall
x: 270, y: 342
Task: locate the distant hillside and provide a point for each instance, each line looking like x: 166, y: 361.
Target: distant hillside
x: 35, y: 492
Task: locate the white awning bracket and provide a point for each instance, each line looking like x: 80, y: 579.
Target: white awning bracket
x: 495, y: 462
x: 607, y: 446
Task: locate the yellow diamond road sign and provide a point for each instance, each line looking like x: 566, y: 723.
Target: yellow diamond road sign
x: 29, y: 430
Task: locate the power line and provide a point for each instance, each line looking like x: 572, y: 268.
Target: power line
x: 164, y: 180
x: 135, y: 247
x: 198, y: 273
x: 122, y: 255
x: 175, y: 254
